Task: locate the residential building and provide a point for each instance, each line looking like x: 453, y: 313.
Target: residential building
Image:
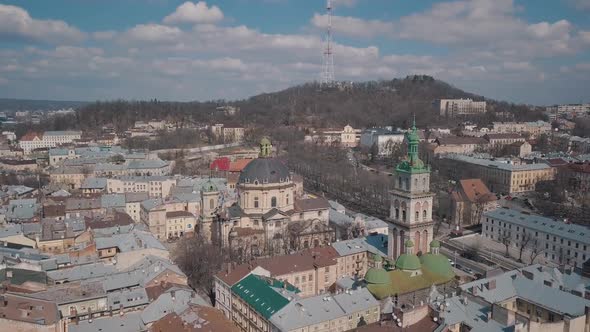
x: 347, y: 137
x: 569, y: 110
x: 500, y: 177
x: 517, y: 300
x: 228, y: 133
x: 469, y: 200
x: 519, y: 149
x: 383, y: 140
x: 23, y: 313
x: 153, y: 214
x: 556, y: 242
x: 18, y: 165
x: 460, y: 107
x: 72, y: 177
x: 455, y: 144
x: 180, y: 223
x: 502, y: 139
x: 534, y: 128
x: 154, y: 186
x: 48, y: 139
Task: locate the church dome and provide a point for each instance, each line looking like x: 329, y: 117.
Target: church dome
x: 408, y: 262
x: 435, y: 244
x: 437, y: 264
x: 263, y: 171
x: 209, y: 186
x: 377, y: 276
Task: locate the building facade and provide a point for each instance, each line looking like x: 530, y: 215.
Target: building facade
x: 460, y: 107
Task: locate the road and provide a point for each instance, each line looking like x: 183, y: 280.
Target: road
x: 455, y: 256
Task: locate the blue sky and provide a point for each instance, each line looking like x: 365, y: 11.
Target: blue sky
x: 518, y: 50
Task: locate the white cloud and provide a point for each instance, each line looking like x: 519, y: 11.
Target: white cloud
x: 16, y: 22
x: 193, y: 13
x: 153, y: 33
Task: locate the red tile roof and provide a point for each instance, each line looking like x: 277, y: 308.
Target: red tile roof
x: 31, y: 136
x: 475, y: 190
x: 238, y: 165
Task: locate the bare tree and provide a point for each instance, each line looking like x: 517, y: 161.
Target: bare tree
x: 505, y: 239
x: 526, y: 238
x: 536, y: 249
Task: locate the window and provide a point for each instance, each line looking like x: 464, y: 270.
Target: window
x: 415, y: 183
x: 211, y: 204
x: 424, y: 215
x: 396, y: 213
x: 255, y: 202
x: 319, y: 213
x: 399, y: 182
x: 417, y: 216
x: 404, y: 215
x: 287, y: 199
x: 273, y: 202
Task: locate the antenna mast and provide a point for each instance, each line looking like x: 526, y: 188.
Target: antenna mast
x: 327, y: 76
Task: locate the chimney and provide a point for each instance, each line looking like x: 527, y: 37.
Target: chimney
x: 173, y: 295
x: 492, y: 284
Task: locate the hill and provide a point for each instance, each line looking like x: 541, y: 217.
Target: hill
x: 7, y: 104
x: 375, y: 103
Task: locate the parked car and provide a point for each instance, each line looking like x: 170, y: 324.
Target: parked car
x: 468, y: 270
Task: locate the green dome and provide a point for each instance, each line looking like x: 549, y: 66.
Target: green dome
x: 377, y: 276
x: 409, y: 243
x: 408, y: 262
x: 209, y: 186
x: 437, y: 264
x: 377, y: 258
x: 265, y: 141
x: 435, y: 244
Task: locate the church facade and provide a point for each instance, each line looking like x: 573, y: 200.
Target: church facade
x: 411, y: 203
x: 268, y: 217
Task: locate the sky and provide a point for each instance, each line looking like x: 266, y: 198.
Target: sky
x: 525, y: 51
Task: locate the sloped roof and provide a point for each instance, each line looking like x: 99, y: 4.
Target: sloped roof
x: 257, y: 292
x: 475, y: 190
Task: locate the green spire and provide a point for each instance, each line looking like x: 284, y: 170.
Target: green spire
x: 412, y: 162
x: 265, y: 148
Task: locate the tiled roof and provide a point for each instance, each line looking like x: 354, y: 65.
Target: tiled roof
x: 311, y: 204
x: 476, y: 191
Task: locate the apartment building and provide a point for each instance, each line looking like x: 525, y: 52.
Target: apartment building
x: 501, y: 139
x: 455, y: 144
x: 180, y: 223
x: 556, y: 242
x: 261, y: 303
x: 499, y: 176
x: 569, y: 110
x: 153, y: 214
x: 228, y: 133
x: 48, y: 139
x: 384, y: 139
x: 346, y: 137
x: 460, y: 107
x: 534, y: 128
x: 154, y: 186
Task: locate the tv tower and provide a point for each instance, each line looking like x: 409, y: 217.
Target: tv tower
x: 327, y: 75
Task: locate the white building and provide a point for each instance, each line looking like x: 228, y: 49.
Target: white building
x: 570, y: 109
x: 49, y: 139
x: 460, y: 107
x: 555, y: 241
x: 384, y: 139
x: 154, y: 186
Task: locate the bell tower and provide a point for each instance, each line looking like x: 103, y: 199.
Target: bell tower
x: 209, y: 208
x: 410, y: 216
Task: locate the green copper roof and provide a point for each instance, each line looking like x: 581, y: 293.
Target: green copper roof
x: 435, y: 244
x: 402, y: 282
x: 407, y: 262
x: 437, y: 264
x: 209, y: 186
x: 377, y: 258
x: 413, y: 163
x: 409, y: 243
x: 376, y: 276
x: 258, y: 293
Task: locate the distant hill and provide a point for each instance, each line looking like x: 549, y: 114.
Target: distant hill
x: 364, y: 104
x: 7, y: 104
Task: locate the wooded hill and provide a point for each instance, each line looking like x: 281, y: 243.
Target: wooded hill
x: 365, y: 104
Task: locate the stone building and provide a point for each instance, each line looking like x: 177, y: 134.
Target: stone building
x: 411, y: 202
x: 268, y: 216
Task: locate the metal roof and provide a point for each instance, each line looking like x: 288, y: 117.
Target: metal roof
x: 542, y: 224
x: 259, y: 294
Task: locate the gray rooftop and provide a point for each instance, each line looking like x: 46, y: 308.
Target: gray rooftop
x: 497, y: 164
x: 166, y: 304
x: 317, y: 309
x: 573, y: 232
x: 372, y: 243
x: 130, y: 322
x: 94, y: 183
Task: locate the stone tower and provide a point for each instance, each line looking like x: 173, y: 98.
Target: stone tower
x: 410, y: 215
x: 209, y: 208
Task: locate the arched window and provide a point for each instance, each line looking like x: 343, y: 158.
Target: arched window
x: 399, y: 182
x: 397, y: 213
x: 417, y: 216
x: 415, y: 183
x: 256, y: 202
x: 273, y: 202
x: 211, y: 204
x: 404, y: 215
x: 287, y: 199
x: 407, y: 184
x: 424, y: 214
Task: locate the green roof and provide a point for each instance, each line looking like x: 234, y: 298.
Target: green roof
x: 402, y: 282
x: 435, y: 244
x: 376, y: 276
x: 20, y: 276
x: 437, y: 264
x: 407, y: 262
x: 257, y: 291
x: 409, y: 243
x: 209, y: 186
